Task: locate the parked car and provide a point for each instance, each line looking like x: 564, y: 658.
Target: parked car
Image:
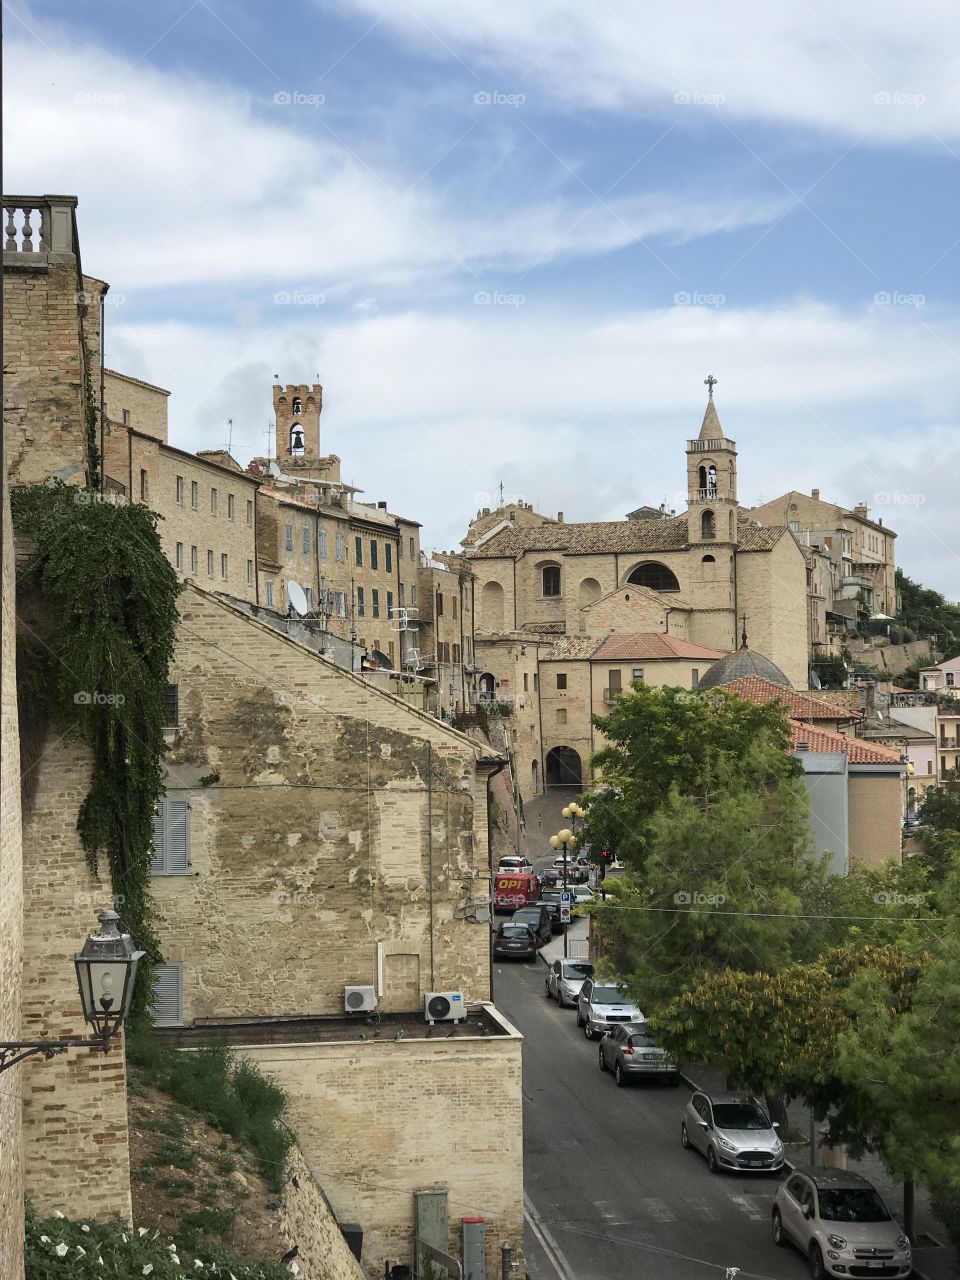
x: 537, y: 917
x: 840, y: 1224
x: 581, y: 896
x: 515, y: 864
x: 551, y: 899
x: 733, y: 1131
x: 577, y: 868
x: 514, y: 940
x: 602, y: 1003
x: 565, y: 978
x: 631, y: 1052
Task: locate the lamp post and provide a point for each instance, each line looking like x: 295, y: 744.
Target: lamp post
x: 106, y: 971
x: 566, y: 839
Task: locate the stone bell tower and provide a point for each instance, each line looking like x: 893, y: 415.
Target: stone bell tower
x: 711, y: 480
x: 296, y: 410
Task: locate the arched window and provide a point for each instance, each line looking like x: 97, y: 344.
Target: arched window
x: 712, y: 479
x: 588, y: 592
x: 550, y: 579
x: 708, y: 525
x: 491, y: 607
x: 296, y: 438
x: 297, y: 406
x: 654, y: 575
x: 709, y: 560
x: 702, y: 477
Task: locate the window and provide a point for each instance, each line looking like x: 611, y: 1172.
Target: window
x: 655, y: 576
x: 561, y: 679
x: 561, y: 715
x: 249, y: 573
x: 637, y: 675
x: 413, y: 550
x: 209, y: 564
x: 949, y: 675
x: 694, y: 678
x: 389, y: 604
x: 213, y: 502
x: 126, y: 417
x: 288, y: 537
x: 550, y: 579
x: 401, y: 597
x: 194, y: 494
x: 230, y: 506
x: 249, y: 511
x: 439, y: 604
x: 929, y: 766
x: 322, y: 544
x: 413, y: 597
x: 340, y: 551
x: 269, y: 593
x: 341, y: 604
x: 400, y: 547
x: 613, y: 680
x: 305, y: 539
x: 373, y: 553
x: 358, y: 550
x: 526, y: 682
x: 456, y: 653
x: 179, y: 555
x: 171, y: 837
x: 193, y: 560
x: 143, y: 485
x: 180, y: 488
x: 166, y: 1009
x: 171, y: 706
x: 391, y: 654
x: 536, y: 682
x: 223, y: 566
x: 454, y: 607
x: 388, y: 557
x: 376, y: 603
x: 360, y: 602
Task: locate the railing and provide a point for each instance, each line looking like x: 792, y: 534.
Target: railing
x: 712, y: 494
x: 38, y: 227
x: 710, y: 446
x: 611, y: 695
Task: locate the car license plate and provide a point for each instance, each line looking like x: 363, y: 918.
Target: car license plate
x: 754, y: 1164
x: 877, y: 1266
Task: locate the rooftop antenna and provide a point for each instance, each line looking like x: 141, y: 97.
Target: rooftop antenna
x: 229, y: 435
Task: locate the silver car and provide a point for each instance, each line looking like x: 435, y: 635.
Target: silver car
x: 602, y: 1003
x: 565, y: 978
x: 838, y: 1221
x: 733, y: 1131
x: 631, y: 1053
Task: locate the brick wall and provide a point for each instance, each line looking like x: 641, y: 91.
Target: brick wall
x: 320, y: 820
x: 310, y: 1224
x: 378, y: 1121
x: 874, y: 816
x: 11, y: 929
x: 146, y: 405
x: 772, y: 592
x: 566, y: 712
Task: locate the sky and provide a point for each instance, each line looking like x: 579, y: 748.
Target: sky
x: 512, y: 239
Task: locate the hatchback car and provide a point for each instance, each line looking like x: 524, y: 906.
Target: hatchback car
x: 565, y: 978
x: 602, y: 1003
x: 733, y: 1131
x: 838, y: 1221
x: 578, y: 871
x: 631, y: 1053
x: 552, y: 899
x: 514, y: 940
x: 581, y: 897
x: 537, y: 917
x: 515, y: 864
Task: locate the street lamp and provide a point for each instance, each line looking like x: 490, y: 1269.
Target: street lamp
x: 565, y: 838
x: 106, y: 972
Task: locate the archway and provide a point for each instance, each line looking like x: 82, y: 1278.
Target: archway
x: 588, y: 592
x: 488, y: 687
x: 655, y: 576
x: 535, y: 777
x: 563, y: 768
x: 708, y: 525
x: 491, y: 607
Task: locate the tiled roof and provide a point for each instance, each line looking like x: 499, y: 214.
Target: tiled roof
x: 151, y: 386
x: 569, y: 648
x: 650, y: 646
x: 798, y: 705
x: 544, y: 628
x: 857, y: 751
x: 742, y: 664
x: 607, y: 536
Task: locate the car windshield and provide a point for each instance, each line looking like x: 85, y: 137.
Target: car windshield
x: 643, y: 1040
x: 852, y: 1204
x: 514, y: 930
x: 527, y: 913
x: 738, y: 1115
x: 611, y: 994
x: 577, y: 969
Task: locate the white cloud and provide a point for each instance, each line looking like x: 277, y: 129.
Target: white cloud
x: 184, y: 181
x: 864, y: 66
x: 589, y: 417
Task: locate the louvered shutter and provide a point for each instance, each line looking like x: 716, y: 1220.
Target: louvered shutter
x: 177, y: 852
x: 167, y: 1007
x: 156, y: 862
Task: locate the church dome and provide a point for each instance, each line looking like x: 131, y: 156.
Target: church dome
x: 744, y: 662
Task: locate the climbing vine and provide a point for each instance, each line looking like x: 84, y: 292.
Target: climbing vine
x: 101, y: 599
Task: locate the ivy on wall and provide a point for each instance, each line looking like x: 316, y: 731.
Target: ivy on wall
x: 96, y: 664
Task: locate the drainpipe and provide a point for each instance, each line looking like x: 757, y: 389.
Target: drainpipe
x: 433, y: 983
x: 500, y: 766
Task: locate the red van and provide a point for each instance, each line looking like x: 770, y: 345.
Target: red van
x: 514, y: 889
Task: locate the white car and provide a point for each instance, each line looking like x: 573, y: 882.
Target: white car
x: 580, y: 896
x: 565, y: 978
x: 602, y: 1003
x: 520, y: 865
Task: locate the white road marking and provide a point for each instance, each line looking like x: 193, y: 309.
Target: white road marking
x: 702, y: 1209
x: 755, y: 1207
x: 657, y: 1209
x: 547, y: 1242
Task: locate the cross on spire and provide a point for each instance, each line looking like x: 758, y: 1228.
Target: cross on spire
x: 743, y: 634
x: 501, y: 493
x: 710, y: 382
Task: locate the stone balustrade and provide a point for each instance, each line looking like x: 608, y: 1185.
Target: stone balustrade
x: 38, y: 229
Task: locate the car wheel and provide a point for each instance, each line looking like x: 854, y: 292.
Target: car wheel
x: 619, y: 1076
x: 776, y: 1228
x: 817, y: 1269
x: 546, y: 989
x: 579, y: 1018
x: 560, y: 1000
x: 603, y: 1065
x: 712, y: 1160
x: 588, y: 1030
x: 684, y: 1136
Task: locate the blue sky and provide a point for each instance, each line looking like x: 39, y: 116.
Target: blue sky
x: 513, y: 239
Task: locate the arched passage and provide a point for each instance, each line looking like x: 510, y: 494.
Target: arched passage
x: 491, y: 607
x: 488, y: 687
x: 563, y: 768
x: 535, y: 777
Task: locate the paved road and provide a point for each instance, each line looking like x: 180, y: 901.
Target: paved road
x: 611, y: 1194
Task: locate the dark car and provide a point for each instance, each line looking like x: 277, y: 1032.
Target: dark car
x: 514, y: 941
x: 631, y: 1052
x: 551, y: 899
x: 537, y: 917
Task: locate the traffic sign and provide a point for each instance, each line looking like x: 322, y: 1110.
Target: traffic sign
x: 564, y: 914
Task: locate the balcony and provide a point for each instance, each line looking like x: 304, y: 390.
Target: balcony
x: 39, y: 230
x: 711, y: 446
x: 611, y: 695
x: 712, y: 494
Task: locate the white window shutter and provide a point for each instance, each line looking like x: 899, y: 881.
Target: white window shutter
x: 178, y: 837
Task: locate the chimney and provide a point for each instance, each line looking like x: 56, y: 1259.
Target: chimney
x: 382, y: 506
x: 815, y: 494
x: 803, y: 746
x: 860, y: 510
x: 559, y: 517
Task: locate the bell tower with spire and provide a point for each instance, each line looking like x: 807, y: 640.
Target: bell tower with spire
x: 711, y: 480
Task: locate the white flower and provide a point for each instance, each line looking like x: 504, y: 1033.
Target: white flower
x: 198, y: 1263
x: 82, y: 1252
x: 147, y: 1269
x: 44, y: 1239
x: 99, y: 1260
x: 174, y: 1259
x: 84, y: 1227
x: 61, y: 1251
x: 142, y: 1231
x: 123, y: 1236
x: 172, y: 1248
x: 58, y: 1214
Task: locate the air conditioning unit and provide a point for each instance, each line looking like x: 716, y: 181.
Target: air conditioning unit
x: 359, y: 999
x: 444, y: 1006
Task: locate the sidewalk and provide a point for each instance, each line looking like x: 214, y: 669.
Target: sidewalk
x: 930, y: 1263
x: 576, y: 932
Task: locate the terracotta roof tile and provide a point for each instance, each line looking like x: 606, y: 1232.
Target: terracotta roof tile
x: 857, y: 751
x: 650, y: 646
x: 798, y: 705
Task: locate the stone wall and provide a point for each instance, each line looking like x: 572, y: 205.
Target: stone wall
x: 145, y: 405
x: 875, y: 810
x: 891, y: 659
x: 352, y: 823
x: 378, y: 1121
x: 11, y: 927
x: 771, y: 591
x: 566, y: 712
x: 310, y: 1223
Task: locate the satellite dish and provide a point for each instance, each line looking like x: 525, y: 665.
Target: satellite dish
x: 815, y: 682
x: 382, y: 660
x: 273, y: 469
x: 298, y: 601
